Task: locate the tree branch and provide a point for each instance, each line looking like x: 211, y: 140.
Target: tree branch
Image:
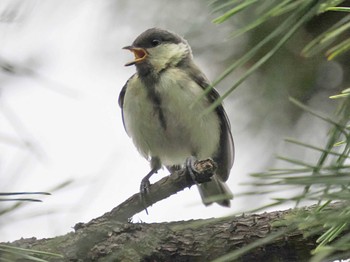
x: 197, y: 240
x: 112, y: 238
x: 160, y: 190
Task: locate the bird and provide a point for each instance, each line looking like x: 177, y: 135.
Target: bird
x: 163, y: 114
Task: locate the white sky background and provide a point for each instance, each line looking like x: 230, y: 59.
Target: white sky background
x: 69, y: 111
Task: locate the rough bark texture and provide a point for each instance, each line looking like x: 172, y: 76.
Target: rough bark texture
x: 197, y: 240
x: 112, y: 238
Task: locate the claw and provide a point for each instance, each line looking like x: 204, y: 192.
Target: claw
x: 145, y: 185
x: 144, y: 189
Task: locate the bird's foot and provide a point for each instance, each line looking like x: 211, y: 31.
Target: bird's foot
x: 144, y: 186
x: 144, y: 189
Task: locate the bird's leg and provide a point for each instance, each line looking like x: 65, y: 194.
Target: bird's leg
x: 144, y: 188
x: 145, y: 184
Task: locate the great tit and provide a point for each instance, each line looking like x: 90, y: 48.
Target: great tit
x: 162, y: 113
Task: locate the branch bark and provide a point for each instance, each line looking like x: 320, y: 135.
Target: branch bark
x: 197, y: 240
x: 112, y: 237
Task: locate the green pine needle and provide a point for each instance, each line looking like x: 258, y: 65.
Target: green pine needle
x: 234, y: 11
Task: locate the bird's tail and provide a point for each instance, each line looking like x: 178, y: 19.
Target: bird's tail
x: 215, y: 190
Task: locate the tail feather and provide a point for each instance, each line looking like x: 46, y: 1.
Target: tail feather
x: 215, y: 191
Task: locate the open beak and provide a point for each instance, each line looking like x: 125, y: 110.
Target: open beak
x: 139, y: 53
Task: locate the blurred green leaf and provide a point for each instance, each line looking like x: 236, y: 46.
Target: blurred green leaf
x: 238, y: 8
x: 345, y: 93
x: 325, y: 5
x: 328, y: 37
x: 339, y: 49
x: 11, y: 253
x: 339, y: 9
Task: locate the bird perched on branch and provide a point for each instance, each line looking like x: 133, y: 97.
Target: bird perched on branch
x: 163, y: 113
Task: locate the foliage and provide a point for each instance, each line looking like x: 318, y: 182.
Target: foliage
x: 5, y: 196
x: 10, y: 253
x: 327, y: 180
x: 294, y: 15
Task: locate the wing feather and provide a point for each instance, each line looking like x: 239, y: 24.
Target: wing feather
x: 121, y: 101
x: 225, y: 155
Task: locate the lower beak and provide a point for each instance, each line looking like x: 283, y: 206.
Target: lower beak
x: 139, y: 53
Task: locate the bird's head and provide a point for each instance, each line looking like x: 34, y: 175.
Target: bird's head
x: 158, y: 49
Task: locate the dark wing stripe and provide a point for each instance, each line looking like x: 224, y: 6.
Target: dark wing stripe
x: 225, y: 154
x: 122, y: 95
x: 121, y: 102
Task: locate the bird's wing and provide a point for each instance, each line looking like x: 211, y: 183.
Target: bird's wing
x: 225, y: 155
x: 121, y: 101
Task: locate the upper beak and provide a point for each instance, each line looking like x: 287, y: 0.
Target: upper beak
x: 140, y: 54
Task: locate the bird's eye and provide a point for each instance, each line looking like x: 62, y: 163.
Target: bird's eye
x: 155, y: 42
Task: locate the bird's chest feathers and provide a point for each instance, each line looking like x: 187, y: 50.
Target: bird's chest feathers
x: 164, y: 115
x: 162, y: 105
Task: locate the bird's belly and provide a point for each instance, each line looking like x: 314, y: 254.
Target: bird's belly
x: 173, y: 130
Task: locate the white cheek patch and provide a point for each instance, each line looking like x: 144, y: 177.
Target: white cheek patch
x: 166, y: 55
